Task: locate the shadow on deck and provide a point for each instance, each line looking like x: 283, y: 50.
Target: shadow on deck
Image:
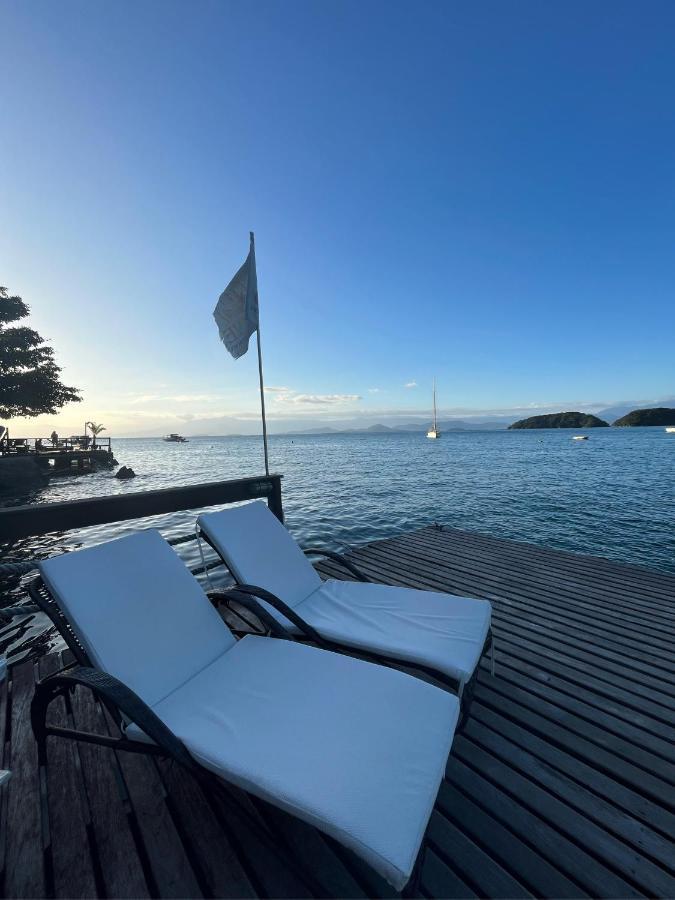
x: 561, y: 785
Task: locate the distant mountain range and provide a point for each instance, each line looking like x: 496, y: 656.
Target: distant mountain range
x: 447, y: 425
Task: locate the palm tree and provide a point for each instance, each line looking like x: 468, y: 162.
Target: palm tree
x: 95, y: 430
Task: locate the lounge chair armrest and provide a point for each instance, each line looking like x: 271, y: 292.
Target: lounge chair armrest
x: 303, y: 627
x: 338, y: 558
x: 249, y: 602
x: 112, y: 693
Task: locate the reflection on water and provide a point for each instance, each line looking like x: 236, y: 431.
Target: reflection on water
x: 612, y: 496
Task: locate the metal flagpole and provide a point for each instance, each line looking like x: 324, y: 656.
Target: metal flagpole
x: 260, y: 373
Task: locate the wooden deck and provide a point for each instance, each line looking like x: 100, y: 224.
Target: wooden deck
x: 562, y: 784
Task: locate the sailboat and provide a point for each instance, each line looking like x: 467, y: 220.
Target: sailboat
x: 433, y: 431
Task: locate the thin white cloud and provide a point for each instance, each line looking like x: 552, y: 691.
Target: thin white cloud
x: 288, y: 397
x: 325, y: 399
x: 144, y: 398
x: 136, y: 399
x: 194, y: 398
x: 410, y: 384
x: 373, y: 390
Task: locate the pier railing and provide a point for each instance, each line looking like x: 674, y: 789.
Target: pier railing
x: 44, y: 518
x: 36, y: 446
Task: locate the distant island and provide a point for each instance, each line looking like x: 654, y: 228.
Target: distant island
x: 659, y: 416
x: 561, y: 420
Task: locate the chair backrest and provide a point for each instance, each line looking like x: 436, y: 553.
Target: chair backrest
x: 259, y: 550
x: 138, y: 612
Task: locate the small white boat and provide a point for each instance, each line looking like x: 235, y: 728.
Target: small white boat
x: 670, y: 429
x: 580, y: 437
x: 433, y: 432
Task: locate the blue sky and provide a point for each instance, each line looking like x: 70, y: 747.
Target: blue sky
x: 480, y: 191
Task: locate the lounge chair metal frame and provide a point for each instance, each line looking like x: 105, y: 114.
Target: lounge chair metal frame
x: 126, y: 707
x: 246, y: 595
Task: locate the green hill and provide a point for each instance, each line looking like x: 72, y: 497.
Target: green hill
x: 561, y: 420
x: 659, y: 416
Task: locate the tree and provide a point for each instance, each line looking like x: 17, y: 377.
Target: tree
x: 95, y: 430
x: 29, y: 376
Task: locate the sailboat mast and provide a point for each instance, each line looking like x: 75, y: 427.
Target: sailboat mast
x: 435, y: 428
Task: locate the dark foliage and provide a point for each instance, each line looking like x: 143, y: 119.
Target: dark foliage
x: 561, y: 420
x: 29, y: 376
x: 659, y: 416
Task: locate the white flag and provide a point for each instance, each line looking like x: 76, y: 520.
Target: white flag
x: 236, y: 312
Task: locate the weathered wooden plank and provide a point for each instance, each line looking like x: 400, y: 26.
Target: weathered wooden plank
x: 607, y: 570
x: 169, y: 864
x: 570, y: 665
x: 24, y: 867
x: 581, y: 809
x: 601, y: 879
x: 120, y: 864
x: 648, y: 825
x: 559, y: 624
x: 168, y: 859
x: 473, y: 864
x: 629, y: 640
x: 513, y: 854
x: 572, y: 861
x: 614, y: 718
x: 328, y: 869
x: 438, y: 880
x: 547, y: 720
x: 604, y: 691
x: 587, y: 659
x: 209, y: 845
x: 69, y: 845
x: 272, y: 872
x: 374, y: 885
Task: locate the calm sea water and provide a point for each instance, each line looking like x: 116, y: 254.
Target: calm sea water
x: 611, y: 496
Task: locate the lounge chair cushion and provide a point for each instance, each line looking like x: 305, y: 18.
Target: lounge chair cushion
x: 259, y: 550
x: 355, y: 749
x: 443, y: 631
x: 138, y: 612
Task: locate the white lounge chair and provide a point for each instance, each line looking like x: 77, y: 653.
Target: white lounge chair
x: 439, y: 633
x: 355, y: 749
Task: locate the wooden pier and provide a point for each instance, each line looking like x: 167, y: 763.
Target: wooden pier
x: 23, y: 459
x: 561, y: 785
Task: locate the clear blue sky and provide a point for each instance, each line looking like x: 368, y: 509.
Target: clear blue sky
x: 482, y: 191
